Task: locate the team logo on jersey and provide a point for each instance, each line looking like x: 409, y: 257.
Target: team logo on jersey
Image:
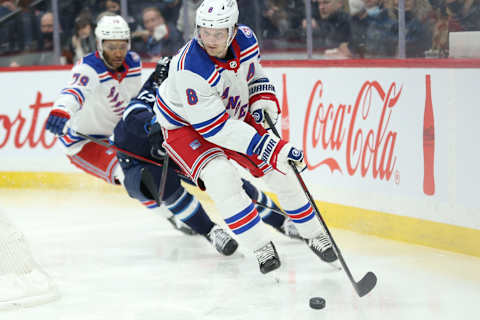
x: 246, y: 31
x: 135, y: 56
x: 195, y: 144
x: 210, y: 10
x: 233, y: 64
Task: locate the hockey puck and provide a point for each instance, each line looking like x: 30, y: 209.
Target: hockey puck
x: 317, y: 303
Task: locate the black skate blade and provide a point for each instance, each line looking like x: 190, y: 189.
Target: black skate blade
x: 366, y: 284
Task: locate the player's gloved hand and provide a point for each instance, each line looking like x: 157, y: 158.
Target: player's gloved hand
x: 260, y: 107
x: 56, y: 120
x: 155, y: 138
x: 279, y: 153
x: 161, y: 70
x: 262, y: 99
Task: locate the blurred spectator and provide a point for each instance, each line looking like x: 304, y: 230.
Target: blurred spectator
x: 159, y: 39
x: 296, y: 14
x: 113, y: 6
x: 464, y: 15
x: 372, y: 32
x: 46, y: 30
x: 274, y: 20
x: 330, y: 24
x: 186, y: 18
x: 83, y: 41
x: 6, y: 7
x: 418, y: 35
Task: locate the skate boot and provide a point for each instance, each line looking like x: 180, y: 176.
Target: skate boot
x: 322, y: 247
x: 288, y: 229
x: 222, y: 241
x: 180, y: 226
x: 267, y: 257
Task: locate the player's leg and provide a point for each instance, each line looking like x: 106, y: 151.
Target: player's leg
x: 98, y: 161
x: 278, y: 221
x: 297, y: 207
x: 178, y: 203
x: 208, y: 166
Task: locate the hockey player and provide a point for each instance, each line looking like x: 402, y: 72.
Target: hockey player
x: 102, y: 85
x: 211, y: 108
x: 138, y: 133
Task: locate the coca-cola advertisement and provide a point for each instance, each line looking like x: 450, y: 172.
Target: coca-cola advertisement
x: 392, y: 140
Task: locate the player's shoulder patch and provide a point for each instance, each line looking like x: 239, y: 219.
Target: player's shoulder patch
x: 245, y: 37
x: 246, y: 31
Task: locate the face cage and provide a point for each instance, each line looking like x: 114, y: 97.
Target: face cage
x: 230, y: 35
x: 100, y: 49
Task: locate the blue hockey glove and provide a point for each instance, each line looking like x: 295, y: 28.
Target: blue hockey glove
x: 56, y: 121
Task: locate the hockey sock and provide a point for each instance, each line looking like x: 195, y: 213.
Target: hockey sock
x: 295, y: 204
x: 189, y: 210
x: 268, y: 216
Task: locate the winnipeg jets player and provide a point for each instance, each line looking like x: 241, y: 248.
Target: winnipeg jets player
x: 205, y: 106
x: 102, y: 85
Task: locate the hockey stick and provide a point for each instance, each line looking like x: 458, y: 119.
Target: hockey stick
x: 158, y: 164
x: 369, y: 280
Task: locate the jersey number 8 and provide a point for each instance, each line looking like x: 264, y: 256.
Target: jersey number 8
x: 192, y: 97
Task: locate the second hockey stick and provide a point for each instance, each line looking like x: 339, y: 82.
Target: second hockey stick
x: 369, y: 280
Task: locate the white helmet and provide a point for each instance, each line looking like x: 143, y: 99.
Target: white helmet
x: 111, y: 28
x: 217, y: 14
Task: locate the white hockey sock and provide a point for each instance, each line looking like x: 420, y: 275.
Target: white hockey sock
x: 224, y: 186
x: 294, y: 202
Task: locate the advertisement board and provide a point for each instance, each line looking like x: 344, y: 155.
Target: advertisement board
x: 389, y: 140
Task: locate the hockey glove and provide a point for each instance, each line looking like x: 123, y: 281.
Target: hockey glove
x: 56, y: 120
x: 263, y: 99
x: 278, y: 153
x: 161, y: 70
x: 155, y: 138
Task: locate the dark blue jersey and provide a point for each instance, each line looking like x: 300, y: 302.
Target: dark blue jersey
x: 131, y: 132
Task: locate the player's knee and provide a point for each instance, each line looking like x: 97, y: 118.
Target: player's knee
x: 221, y: 179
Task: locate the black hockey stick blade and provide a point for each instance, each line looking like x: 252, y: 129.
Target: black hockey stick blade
x: 366, y: 284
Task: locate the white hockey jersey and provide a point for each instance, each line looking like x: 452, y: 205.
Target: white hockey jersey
x: 96, y: 97
x: 210, y: 94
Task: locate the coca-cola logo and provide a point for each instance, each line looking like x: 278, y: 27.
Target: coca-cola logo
x: 352, y: 138
x: 28, y: 130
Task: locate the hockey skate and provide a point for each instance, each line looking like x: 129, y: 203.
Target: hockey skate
x: 289, y: 230
x: 322, y: 247
x: 180, y: 226
x: 267, y: 257
x: 222, y: 241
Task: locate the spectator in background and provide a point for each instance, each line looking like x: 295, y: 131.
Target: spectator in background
x: 330, y: 24
x: 372, y: 32
x: 418, y: 35
x: 274, y: 20
x: 83, y: 41
x: 464, y: 15
x: 46, y: 30
x: 160, y: 38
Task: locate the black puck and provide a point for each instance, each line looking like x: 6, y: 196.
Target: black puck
x: 317, y: 303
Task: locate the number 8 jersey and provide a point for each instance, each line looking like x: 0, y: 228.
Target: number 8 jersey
x: 212, y: 94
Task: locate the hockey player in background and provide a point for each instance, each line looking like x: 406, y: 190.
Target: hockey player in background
x: 211, y: 108
x: 102, y: 85
x: 139, y: 133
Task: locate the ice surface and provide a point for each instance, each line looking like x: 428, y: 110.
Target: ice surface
x: 113, y: 259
